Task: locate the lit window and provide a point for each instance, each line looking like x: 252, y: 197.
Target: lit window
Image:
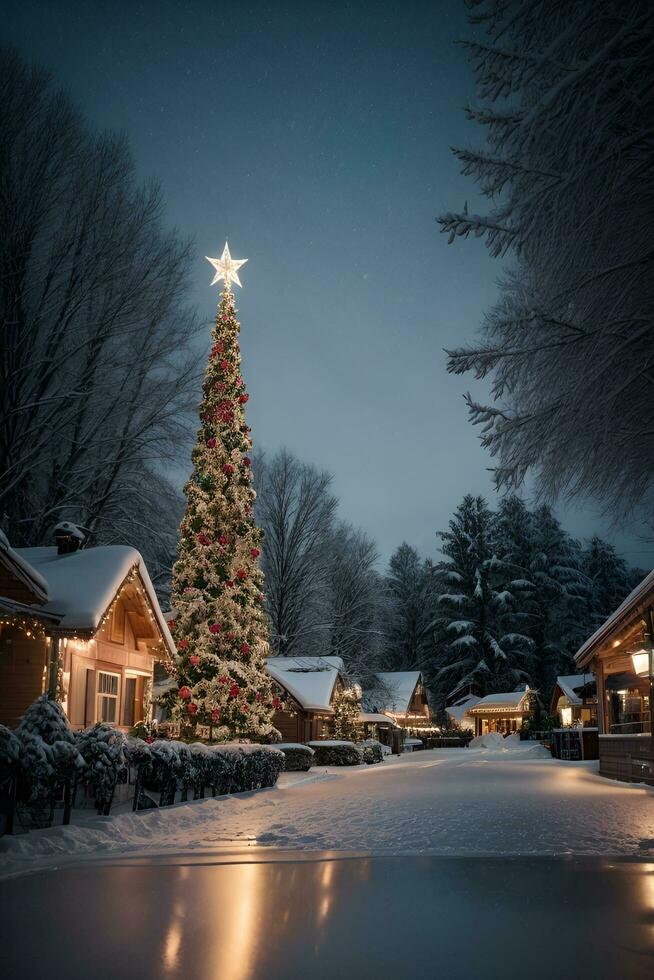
x: 107, y: 696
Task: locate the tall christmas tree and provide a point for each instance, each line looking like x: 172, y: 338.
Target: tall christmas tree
x: 217, y: 595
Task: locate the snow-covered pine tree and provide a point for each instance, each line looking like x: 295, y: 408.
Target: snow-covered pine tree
x: 564, y: 93
x: 484, y: 653
x: 220, y: 629
x: 347, y: 705
x: 609, y: 580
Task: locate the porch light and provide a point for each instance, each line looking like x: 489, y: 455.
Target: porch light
x: 641, y: 662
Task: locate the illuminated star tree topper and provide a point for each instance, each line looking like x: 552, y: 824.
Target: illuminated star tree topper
x: 226, y: 268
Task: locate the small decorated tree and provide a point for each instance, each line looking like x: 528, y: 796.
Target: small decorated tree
x: 219, y: 625
x: 344, y: 722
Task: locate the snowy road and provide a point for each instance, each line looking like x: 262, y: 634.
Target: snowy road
x: 444, y: 802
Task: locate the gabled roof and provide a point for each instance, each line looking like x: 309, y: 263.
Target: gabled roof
x: 396, y: 690
x: 509, y: 700
x: 18, y: 580
x: 459, y: 708
x: 375, y: 718
x: 572, y: 684
x: 82, y: 585
x: 309, y: 680
x: 632, y: 606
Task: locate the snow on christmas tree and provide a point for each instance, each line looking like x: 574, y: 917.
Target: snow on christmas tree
x: 219, y: 627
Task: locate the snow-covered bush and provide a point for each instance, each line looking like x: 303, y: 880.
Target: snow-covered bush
x: 49, y: 758
x: 372, y: 751
x: 332, y: 752
x: 103, y: 749
x: 299, y: 758
x: 45, y: 718
x: 10, y: 752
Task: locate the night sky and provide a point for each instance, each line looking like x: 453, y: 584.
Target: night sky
x: 316, y: 137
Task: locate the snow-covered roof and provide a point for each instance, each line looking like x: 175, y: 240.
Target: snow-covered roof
x: 630, y: 604
x: 81, y: 585
x: 511, y: 700
x: 457, y: 710
x: 397, y: 690
x: 310, y: 680
x: 571, y: 684
x: 374, y: 718
x: 11, y: 559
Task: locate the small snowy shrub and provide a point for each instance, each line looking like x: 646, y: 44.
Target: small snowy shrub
x: 45, y: 718
x: 49, y: 754
x: 299, y: 758
x: 372, y: 751
x: 10, y: 753
x: 103, y: 749
x: 335, y: 753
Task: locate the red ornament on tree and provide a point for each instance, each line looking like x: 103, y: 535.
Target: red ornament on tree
x: 234, y: 691
x: 241, y: 574
x: 215, y: 628
x: 243, y: 398
x: 255, y: 552
x: 185, y: 693
x: 228, y: 469
x: 247, y: 461
x: 182, y: 645
x: 223, y: 539
x: 192, y: 708
x: 211, y: 443
x: 194, y: 660
x: 215, y: 714
x: 224, y: 365
x: 203, y: 539
x: 245, y: 647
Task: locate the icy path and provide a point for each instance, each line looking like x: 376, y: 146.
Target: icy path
x: 443, y: 802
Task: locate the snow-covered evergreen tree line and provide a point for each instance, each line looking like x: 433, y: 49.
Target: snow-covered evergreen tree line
x: 509, y: 603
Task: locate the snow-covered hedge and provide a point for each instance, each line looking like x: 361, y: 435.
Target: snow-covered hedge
x: 299, y: 758
x: 373, y: 751
x: 167, y: 766
x: 333, y: 752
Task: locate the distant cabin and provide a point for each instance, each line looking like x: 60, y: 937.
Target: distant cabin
x: 91, y: 616
x: 574, y: 700
x: 308, y: 685
x: 402, y: 696
x: 457, y: 712
x: 504, y: 713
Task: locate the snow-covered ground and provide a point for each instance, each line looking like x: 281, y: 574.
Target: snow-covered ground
x: 473, y: 801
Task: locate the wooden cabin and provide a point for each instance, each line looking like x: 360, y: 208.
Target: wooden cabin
x: 574, y: 701
x: 503, y: 713
x: 457, y: 712
x: 619, y: 654
x: 402, y: 696
x: 308, y: 685
x: 85, y: 621
x: 378, y: 726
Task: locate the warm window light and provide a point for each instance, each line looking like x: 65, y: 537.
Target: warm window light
x: 566, y: 716
x: 640, y: 661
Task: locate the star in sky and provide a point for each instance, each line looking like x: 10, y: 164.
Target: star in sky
x: 226, y: 267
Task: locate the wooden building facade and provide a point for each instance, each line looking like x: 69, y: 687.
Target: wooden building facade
x: 619, y: 654
x: 503, y: 713
x: 84, y: 622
